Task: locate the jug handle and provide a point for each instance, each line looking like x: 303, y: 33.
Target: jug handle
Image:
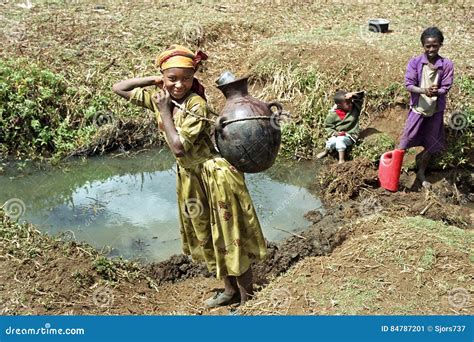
x: 220, y: 123
x: 278, y: 106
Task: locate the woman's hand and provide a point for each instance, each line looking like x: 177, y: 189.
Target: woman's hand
x: 434, y: 90
x: 124, y: 88
x: 163, y: 102
x: 428, y: 92
x: 431, y: 91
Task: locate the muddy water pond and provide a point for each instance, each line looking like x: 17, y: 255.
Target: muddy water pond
x: 128, y: 205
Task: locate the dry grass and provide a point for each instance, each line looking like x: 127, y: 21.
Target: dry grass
x: 280, y: 43
x: 386, y: 266
x: 120, y: 134
x: 42, y: 274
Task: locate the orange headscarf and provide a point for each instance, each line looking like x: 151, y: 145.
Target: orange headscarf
x: 177, y: 56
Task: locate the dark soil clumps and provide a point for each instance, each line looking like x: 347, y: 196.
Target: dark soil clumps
x: 320, y: 239
x: 341, y: 182
x: 355, y: 182
x: 176, y: 268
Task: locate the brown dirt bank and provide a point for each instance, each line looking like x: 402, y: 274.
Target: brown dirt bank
x: 386, y: 265
x: 319, y: 239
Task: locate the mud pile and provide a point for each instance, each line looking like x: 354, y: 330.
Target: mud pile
x: 176, y: 268
x: 341, y: 182
x: 319, y: 239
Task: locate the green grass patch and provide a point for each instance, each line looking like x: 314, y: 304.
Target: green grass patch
x: 373, y: 147
x: 352, y: 297
x: 428, y: 259
x: 461, y: 239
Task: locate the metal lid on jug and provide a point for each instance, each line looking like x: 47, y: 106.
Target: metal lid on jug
x: 225, y: 77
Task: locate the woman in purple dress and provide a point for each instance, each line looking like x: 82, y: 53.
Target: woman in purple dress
x: 428, y: 79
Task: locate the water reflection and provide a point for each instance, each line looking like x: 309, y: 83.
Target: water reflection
x: 130, y: 203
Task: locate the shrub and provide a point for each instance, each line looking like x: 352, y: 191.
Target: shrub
x: 373, y: 147
x: 35, y: 116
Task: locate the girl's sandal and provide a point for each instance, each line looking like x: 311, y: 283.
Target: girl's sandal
x: 220, y: 299
x: 426, y: 185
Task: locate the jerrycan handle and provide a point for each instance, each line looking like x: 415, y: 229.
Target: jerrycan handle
x: 387, y: 158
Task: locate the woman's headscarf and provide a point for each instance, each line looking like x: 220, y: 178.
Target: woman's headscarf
x: 177, y: 56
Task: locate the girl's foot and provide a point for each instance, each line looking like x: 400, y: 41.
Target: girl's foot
x: 426, y: 184
x: 322, y: 154
x: 342, y: 156
x: 220, y: 299
x: 422, y: 179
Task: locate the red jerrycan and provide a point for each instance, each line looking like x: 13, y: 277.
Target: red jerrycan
x: 389, y: 169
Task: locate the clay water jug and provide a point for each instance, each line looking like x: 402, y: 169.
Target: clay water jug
x: 389, y: 169
x: 248, y: 131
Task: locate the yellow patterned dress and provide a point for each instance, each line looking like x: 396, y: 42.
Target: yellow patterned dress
x: 219, y: 224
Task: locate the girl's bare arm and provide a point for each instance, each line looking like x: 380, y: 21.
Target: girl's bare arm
x: 124, y: 88
x: 163, y: 101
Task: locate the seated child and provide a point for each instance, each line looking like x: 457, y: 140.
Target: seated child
x: 342, y: 123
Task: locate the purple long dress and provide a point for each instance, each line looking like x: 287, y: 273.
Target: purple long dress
x: 420, y: 130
